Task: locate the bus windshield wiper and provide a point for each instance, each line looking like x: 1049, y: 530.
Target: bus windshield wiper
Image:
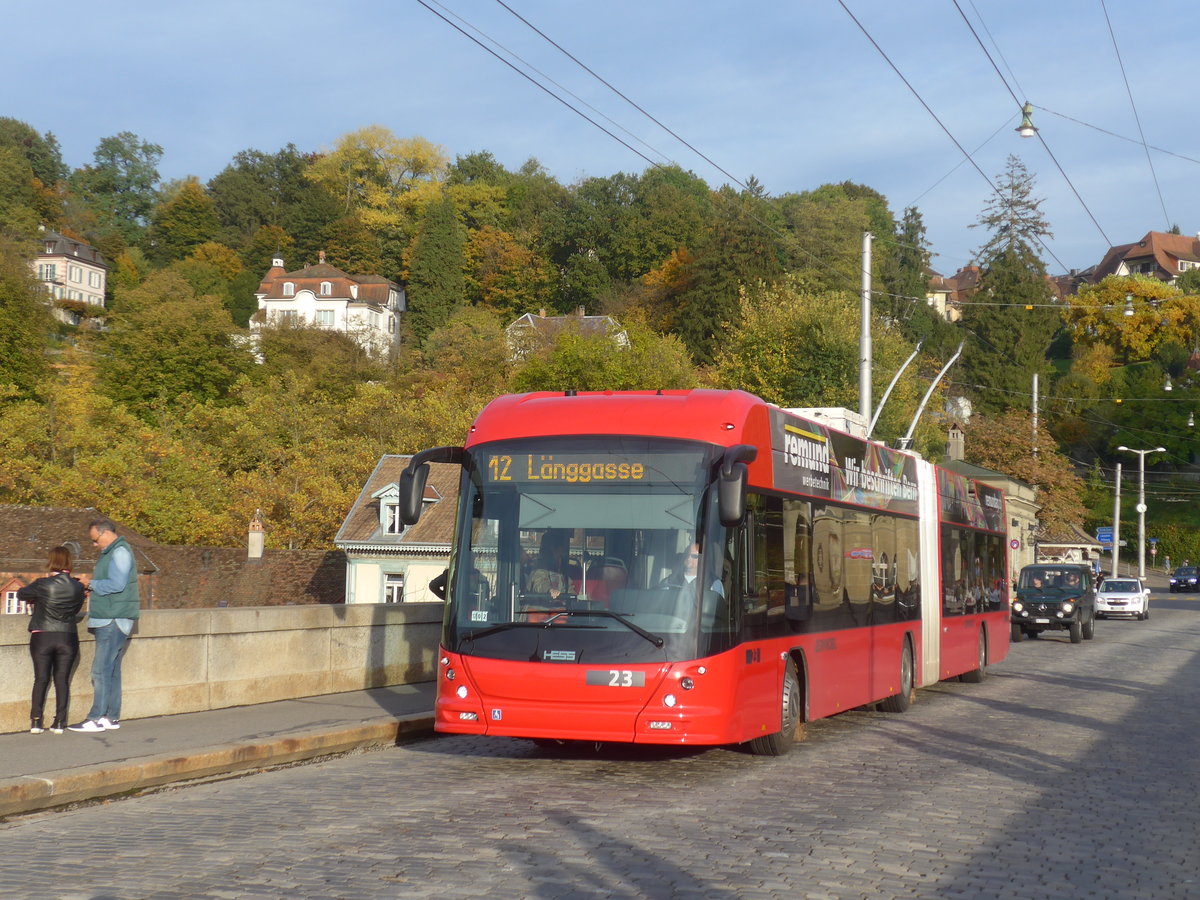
x: 608, y: 614
x: 496, y: 629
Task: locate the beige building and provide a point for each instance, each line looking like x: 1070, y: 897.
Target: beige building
x: 71, y: 269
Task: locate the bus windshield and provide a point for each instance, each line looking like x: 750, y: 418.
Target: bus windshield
x: 588, y: 550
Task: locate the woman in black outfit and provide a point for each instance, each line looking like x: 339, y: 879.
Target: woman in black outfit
x: 54, y: 643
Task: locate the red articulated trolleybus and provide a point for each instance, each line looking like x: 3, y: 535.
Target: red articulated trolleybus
x: 701, y: 567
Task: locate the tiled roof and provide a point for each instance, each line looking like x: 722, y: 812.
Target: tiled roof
x: 1165, y: 249
x: 436, y: 525
x: 28, y: 533
x: 172, y: 576
x: 371, y: 288
x: 203, y: 577
x: 1067, y: 535
x: 55, y: 244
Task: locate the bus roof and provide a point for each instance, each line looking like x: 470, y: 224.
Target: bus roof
x: 712, y: 416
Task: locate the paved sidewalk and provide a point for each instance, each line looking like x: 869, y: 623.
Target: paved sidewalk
x: 39, y: 771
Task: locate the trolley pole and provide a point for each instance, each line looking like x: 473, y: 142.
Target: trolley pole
x: 864, y: 335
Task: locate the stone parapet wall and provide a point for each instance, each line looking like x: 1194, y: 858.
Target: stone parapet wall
x: 189, y: 660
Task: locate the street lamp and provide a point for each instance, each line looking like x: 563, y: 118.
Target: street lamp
x: 1141, y: 507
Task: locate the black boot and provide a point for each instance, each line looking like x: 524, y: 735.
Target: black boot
x: 35, y: 725
x: 58, y: 725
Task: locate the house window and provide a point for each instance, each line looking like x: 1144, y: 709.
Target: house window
x: 324, y: 317
x: 12, y: 606
x: 393, y: 589
x: 74, y: 295
x: 287, y: 316
x: 75, y: 273
x: 289, y: 289
x: 326, y: 288
x: 354, y: 291
x: 47, y: 272
x: 394, y: 523
x: 94, y: 279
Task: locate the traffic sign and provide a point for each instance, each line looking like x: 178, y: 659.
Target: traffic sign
x: 1104, y: 534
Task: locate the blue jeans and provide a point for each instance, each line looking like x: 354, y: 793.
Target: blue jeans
x: 111, y: 644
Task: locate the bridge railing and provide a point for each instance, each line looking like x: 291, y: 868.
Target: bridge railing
x: 190, y: 660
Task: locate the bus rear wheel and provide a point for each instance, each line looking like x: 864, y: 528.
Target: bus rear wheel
x: 900, y: 702
x: 780, y: 742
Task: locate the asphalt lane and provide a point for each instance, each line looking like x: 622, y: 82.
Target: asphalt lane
x: 1070, y: 772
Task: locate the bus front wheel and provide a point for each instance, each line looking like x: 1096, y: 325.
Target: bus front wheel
x: 792, y: 701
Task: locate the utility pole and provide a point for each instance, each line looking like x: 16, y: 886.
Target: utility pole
x: 864, y: 335
x: 1035, y: 414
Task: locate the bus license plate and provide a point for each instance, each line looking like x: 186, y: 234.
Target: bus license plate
x: 616, y: 678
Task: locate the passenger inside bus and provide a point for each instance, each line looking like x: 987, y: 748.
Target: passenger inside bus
x: 551, y: 572
x: 604, y: 578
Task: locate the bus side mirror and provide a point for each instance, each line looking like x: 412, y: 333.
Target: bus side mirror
x: 412, y: 490
x: 731, y: 484
x: 412, y: 480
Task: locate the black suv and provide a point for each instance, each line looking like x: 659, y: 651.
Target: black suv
x: 1055, y: 597
x: 1185, y: 578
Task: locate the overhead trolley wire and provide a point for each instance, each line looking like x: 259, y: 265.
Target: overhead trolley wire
x: 941, y: 124
x: 1122, y: 137
x: 1040, y: 138
x: 542, y: 74
x: 587, y: 69
x: 789, y: 237
x: 538, y: 84
x: 1136, y: 117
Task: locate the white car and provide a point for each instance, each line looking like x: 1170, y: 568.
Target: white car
x: 1123, y: 597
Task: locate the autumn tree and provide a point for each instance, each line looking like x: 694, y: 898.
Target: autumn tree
x: 166, y: 347
x: 183, y: 221
x: 740, y: 248
x: 381, y: 177
x: 266, y: 205
x: 24, y: 324
x: 603, y: 362
x: 1133, y: 316
x: 796, y: 348
x: 46, y: 171
x: 18, y: 195
x: 121, y: 183
x: 1004, y: 443
x: 436, y: 285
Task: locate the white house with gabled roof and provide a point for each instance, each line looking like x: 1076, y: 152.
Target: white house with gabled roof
x: 367, y: 307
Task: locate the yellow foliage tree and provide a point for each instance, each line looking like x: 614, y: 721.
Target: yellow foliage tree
x: 1128, y: 313
x: 383, y: 178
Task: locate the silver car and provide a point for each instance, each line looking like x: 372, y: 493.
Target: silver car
x: 1123, y: 597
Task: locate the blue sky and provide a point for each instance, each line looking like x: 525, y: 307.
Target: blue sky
x: 790, y: 92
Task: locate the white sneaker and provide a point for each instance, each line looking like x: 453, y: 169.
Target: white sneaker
x: 90, y: 726
x: 108, y: 724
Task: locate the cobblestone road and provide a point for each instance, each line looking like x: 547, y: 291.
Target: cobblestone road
x: 1071, y: 772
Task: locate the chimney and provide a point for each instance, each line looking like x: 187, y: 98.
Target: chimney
x: 256, y: 536
x: 542, y: 313
x: 956, y: 443
x: 321, y: 257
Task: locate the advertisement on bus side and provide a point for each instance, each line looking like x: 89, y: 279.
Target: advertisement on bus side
x: 811, y: 459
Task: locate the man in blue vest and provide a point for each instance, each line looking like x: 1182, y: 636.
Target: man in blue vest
x: 113, y: 607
